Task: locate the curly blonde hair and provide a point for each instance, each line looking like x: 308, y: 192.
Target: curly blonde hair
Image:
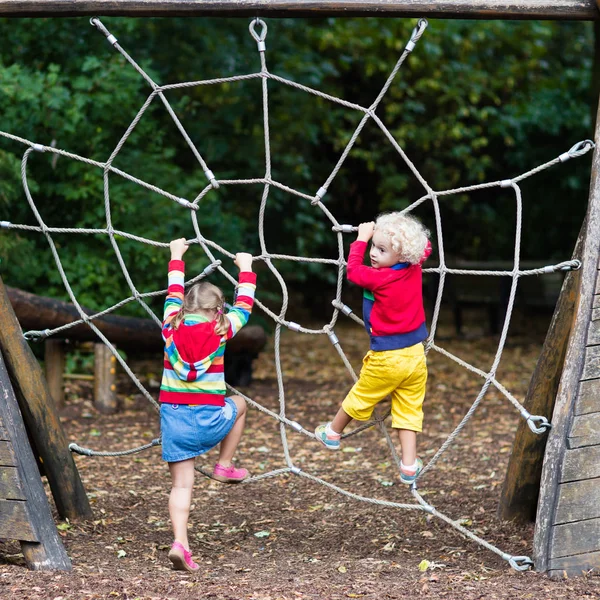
x: 407, y: 234
x: 201, y: 298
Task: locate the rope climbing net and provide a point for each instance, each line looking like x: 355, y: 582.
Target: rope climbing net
x: 258, y: 30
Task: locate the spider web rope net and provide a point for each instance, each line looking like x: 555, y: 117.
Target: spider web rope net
x: 258, y: 30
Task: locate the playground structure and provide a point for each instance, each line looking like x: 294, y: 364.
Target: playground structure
x: 567, y: 527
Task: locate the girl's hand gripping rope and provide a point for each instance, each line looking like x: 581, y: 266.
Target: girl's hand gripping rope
x: 178, y: 248
x: 243, y: 261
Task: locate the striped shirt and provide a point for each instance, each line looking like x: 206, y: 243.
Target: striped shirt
x: 194, y: 354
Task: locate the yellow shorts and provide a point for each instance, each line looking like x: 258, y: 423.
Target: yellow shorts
x: 399, y: 373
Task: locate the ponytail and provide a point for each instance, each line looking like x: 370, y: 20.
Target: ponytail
x: 178, y: 319
x: 222, y: 326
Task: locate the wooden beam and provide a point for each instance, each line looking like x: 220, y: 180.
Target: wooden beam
x: 130, y: 333
x: 521, y: 487
x: 34, y: 525
x: 582, y: 10
x: 562, y: 418
x: 40, y: 312
x: 41, y: 416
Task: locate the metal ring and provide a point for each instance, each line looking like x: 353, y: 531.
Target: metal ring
x: 520, y: 563
x: 263, y: 33
x: 545, y: 424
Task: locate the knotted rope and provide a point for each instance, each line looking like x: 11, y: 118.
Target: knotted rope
x: 258, y: 30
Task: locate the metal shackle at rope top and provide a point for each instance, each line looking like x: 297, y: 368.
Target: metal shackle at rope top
x: 259, y: 37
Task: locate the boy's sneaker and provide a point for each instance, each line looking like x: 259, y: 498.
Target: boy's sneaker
x: 229, y: 474
x: 411, y: 476
x: 329, y: 440
x: 182, y: 558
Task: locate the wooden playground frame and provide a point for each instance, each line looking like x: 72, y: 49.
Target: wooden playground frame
x: 441, y: 9
x: 567, y: 537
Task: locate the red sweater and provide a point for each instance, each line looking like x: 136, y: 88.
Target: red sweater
x: 393, y: 301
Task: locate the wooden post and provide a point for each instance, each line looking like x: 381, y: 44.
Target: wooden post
x: 522, y: 481
x: 24, y: 511
x: 557, y: 447
x: 464, y: 9
x: 54, y: 362
x: 41, y: 417
x: 105, y: 398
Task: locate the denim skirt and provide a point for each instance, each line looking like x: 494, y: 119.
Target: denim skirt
x: 189, y: 430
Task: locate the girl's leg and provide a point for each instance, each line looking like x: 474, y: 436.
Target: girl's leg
x: 180, y: 499
x: 408, y: 443
x: 340, y: 421
x: 232, y: 439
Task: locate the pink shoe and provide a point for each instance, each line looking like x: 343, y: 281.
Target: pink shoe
x: 229, y: 474
x: 182, y: 558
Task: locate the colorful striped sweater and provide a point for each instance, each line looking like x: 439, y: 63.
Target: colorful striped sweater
x: 194, y: 354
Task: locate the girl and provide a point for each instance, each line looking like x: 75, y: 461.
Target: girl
x: 195, y: 415
x: 395, y: 321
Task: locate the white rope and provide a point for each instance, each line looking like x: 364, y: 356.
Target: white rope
x: 537, y: 424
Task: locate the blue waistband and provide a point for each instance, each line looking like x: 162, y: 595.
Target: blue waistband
x: 399, y: 340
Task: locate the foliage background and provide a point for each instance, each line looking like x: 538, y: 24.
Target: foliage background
x: 476, y: 101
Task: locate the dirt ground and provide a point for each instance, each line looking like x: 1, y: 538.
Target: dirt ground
x: 288, y: 537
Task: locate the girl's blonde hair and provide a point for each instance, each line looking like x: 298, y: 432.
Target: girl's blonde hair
x: 202, y: 298
x: 407, y: 234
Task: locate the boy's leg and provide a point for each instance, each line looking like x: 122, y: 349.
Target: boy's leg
x: 408, y: 443
x: 376, y: 381
x: 407, y: 413
x: 340, y: 421
x: 330, y: 434
x: 180, y: 498
x: 232, y: 439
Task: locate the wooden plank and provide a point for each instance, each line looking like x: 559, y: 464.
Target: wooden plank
x: 520, y: 490
x: 3, y: 432
x: 575, y: 538
x: 591, y: 367
x: 594, y: 329
x: 569, y: 385
x: 574, y: 565
x: 14, y: 521
x: 48, y: 552
x: 581, y: 464
x: 41, y: 416
x: 585, y: 426
x: 10, y: 484
x: 473, y: 9
x: 7, y: 455
x: 588, y: 397
x: 578, y: 501
x: 592, y: 439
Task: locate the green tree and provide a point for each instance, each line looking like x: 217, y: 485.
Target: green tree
x: 475, y: 102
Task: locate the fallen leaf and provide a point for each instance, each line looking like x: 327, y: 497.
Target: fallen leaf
x: 262, y: 534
